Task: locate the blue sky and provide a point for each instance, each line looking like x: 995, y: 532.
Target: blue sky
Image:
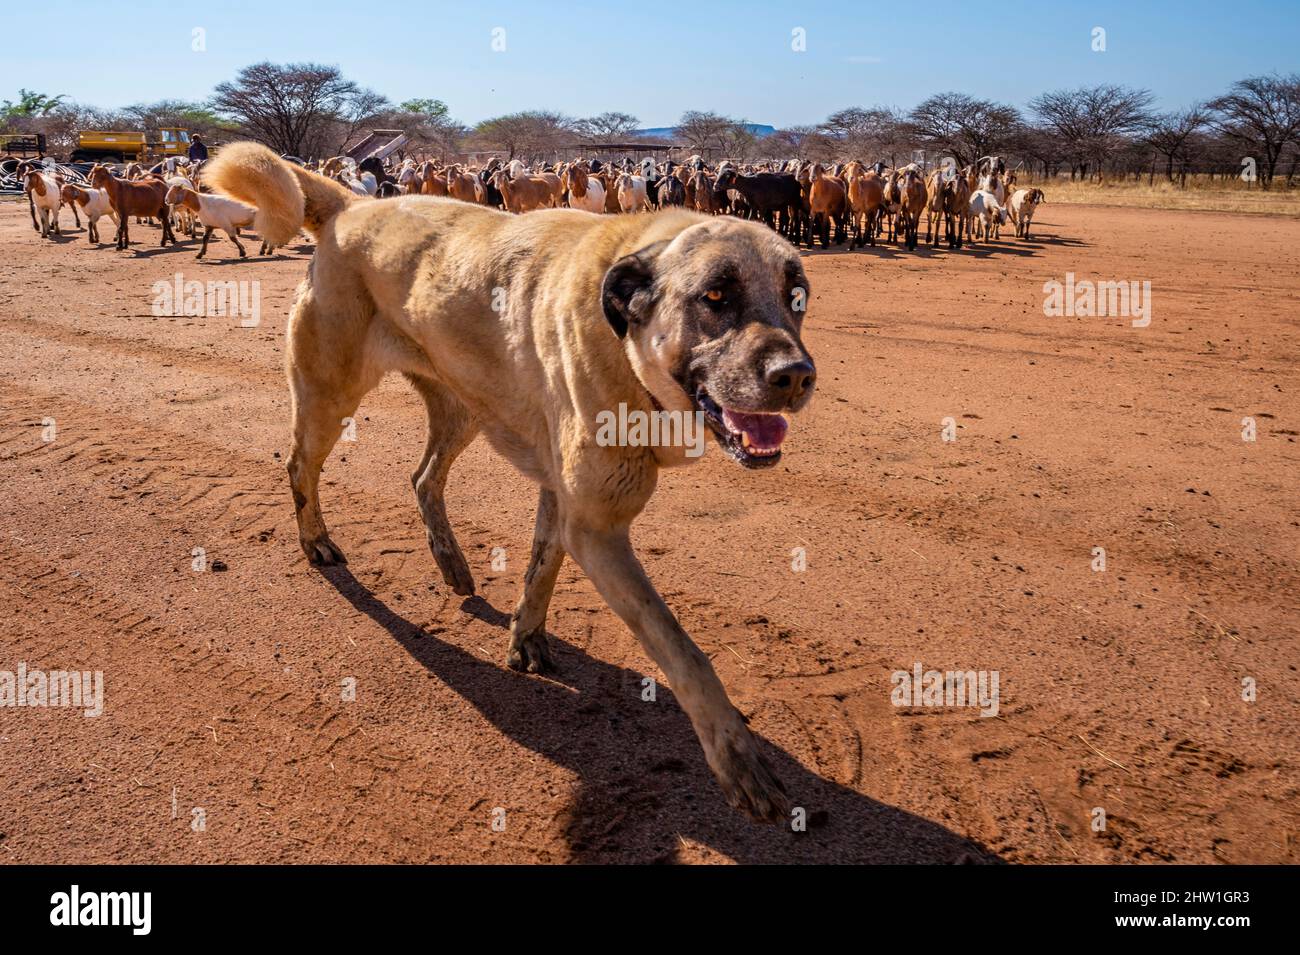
x: 585, y: 58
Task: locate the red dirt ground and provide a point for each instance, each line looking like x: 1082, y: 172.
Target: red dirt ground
x: 1120, y: 690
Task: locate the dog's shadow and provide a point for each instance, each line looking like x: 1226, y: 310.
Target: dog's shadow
x: 643, y: 784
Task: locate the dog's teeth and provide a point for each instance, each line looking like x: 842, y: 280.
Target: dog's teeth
x: 744, y: 440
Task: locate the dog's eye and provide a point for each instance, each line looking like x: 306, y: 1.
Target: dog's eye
x: 714, y: 295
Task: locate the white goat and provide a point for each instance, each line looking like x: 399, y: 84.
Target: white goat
x: 181, y: 214
x: 987, y: 215
x: 1021, y: 208
x: 43, y: 189
x: 215, y: 212
x: 632, y: 195
x: 95, y: 203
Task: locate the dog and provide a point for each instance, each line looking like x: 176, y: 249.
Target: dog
x: 526, y: 328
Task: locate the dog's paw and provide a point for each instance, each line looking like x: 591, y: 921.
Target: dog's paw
x: 455, y: 571
x: 323, y: 552
x: 747, y: 779
x: 530, y: 653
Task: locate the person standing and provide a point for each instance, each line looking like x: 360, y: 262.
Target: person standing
x: 198, y: 151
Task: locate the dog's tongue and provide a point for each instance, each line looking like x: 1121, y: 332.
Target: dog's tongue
x: 761, y: 430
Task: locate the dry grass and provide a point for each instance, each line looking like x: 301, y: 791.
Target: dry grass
x: 1201, y: 195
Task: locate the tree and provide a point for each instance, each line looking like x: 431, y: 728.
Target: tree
x: 1172, y: 136
x: 365, y: 107
x: 1261, y: 114
x: 195, y: 117
x: 798, y: 142
x: 530, y: 133
x: 608, y: 127
x: 295, y: 108
x: 964, y: 126
x: 1091, y: 122
x: 432, y: 109
x: 30, y: 104
x: 704, y: 131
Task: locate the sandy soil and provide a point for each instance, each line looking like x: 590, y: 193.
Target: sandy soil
x: 1120, y: 690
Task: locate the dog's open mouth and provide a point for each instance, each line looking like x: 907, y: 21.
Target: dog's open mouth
x: 752, y: 438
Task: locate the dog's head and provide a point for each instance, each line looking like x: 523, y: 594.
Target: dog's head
x: 711, y: 322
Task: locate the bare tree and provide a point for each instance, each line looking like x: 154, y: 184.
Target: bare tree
x: 966, y: 127
x: 704, y: 131
x: 1091, y: 122
x: 531, y: 133
x: 866, y: 133
x: 799, y: 142
x: 608, y: 127
x: 1172, y: 136
x: 1262, y: 114
x: 291, y: 108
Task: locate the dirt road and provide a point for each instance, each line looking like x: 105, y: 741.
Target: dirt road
x: 228, y: 735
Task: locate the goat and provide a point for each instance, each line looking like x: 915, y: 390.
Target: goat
x: 1021, y: 209
x: 699, y: 193
x: 463, y: 186
x: 216, y: 212
x: 912, y: 199
x: 524, y: 193
x: 827, y: 202
x: 986, y: 214
x: 671, y: 192
x: 44, y: 192
x: 148, y: 198
x: 632, y: 193
x: 585, y: 190
x: 866, y: 198
x: 774, y: 197
x: 183, y: 216
x: 96, y: 204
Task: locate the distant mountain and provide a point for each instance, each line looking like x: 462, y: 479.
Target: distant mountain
x: 670, y: 132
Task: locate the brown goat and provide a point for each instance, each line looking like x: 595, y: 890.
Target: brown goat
x: 145, y: 198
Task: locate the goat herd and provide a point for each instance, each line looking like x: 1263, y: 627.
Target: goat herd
x: 801, y: 200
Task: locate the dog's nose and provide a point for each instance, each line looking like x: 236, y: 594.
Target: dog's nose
x: 793, y: 379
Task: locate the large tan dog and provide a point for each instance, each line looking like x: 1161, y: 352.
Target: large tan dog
x: 527, y: 328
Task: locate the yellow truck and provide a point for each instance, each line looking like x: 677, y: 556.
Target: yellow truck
x: 118, y: 146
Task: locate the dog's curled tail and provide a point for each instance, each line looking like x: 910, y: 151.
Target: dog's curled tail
x: 287, y: 196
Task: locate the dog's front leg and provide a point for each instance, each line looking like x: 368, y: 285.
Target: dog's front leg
x: 529, y: 649
x: 748, y: 781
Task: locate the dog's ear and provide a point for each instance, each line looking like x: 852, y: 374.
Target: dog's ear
x: 626, y: 294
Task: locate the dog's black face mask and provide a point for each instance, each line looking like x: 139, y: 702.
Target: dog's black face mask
x: 711, y: 322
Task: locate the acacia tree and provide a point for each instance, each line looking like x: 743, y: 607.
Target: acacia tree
x: 799, y: 142
x: 530, y: 133
x: 298, y: 108
x: 428, y: 126
x: 1173, y: 135
x: 1092, y: 122
x: 1261, y: 114
x: 866, y: 133
x: 610, y: 127
x: 964, y: 126
x: 704, y: 131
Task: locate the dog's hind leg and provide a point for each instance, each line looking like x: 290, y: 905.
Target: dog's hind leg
x: 451, y: 429
x: 529, y: 649
x: 326, y: 393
